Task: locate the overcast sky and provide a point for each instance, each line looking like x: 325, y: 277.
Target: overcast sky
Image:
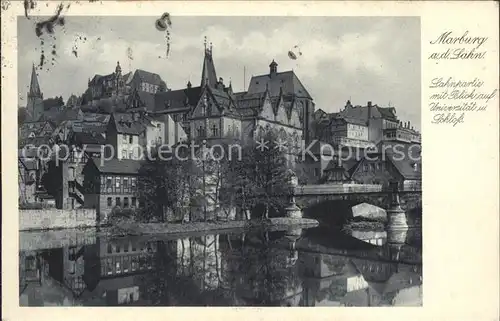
x: 359, y: 58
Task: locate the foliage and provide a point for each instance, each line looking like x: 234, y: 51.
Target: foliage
x: 259, y: 178
x: 260, y: 267
x: 219, y: 178
x: 52, y: 179
x: 165, y: 184
x: 22, y: 115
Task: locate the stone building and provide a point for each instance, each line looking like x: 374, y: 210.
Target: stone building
x: 276, y: 101
x: 361, y: 126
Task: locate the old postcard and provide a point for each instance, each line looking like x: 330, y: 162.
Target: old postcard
x: 247, y: 155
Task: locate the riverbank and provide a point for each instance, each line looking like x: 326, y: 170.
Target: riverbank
x: 131, y: 228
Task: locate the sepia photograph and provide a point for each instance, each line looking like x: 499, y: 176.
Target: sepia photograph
x: 219, y: 160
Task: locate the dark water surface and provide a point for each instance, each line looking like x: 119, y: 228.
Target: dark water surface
x: 297, y: 267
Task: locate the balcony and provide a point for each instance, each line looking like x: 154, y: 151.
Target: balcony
x: 351, y: 142
x: 401, y: 134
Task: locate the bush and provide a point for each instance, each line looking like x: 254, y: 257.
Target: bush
x: 122, y: 214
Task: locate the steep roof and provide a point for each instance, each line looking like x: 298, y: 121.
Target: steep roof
x: 224, y: 101
x: 177, y: 98
x: 406, y: 157
x: 149, y: 77
x: 87, y: 138
x: 387, y: 112
x: 116, y: 166
x: 362, y: 112
x: 33, y: 127
x: 34, y: 85
x: 96, y: 117
x: 208, y: 75
x: 287, y: 80
x: 125, y: 124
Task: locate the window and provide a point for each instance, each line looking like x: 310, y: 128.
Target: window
x: 316, y: 172
x: 109, y: 265
x: 108, y: 182
x: 130, y: 139
x: 125, y: 247
x: 110, y: 202
x: 125, y: 202
x: 134, y: 202
x: 214, y: 130
x: 110, y: 249
x: 131, y: 154
x: 124, y: 138
x: 133, y: 247
x: 125, y: 182
x: 133, y: 181
x: 134, y: 264
x: 118, y: 267
x: 118, y: 202
x: 124, y: 153
x: 125, y: 264
x: 117, y: 182
x: 117, y: 248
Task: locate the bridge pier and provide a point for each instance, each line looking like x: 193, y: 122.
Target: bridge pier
x: 396, y: 217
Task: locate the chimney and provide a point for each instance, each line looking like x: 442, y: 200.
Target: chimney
x: 369, y: 113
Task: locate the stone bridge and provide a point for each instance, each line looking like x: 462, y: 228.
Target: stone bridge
x: 353, y: 194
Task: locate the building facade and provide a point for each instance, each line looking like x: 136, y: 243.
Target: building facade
x: 110, y: 184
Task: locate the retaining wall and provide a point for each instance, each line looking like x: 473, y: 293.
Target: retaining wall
x: 48, y: 219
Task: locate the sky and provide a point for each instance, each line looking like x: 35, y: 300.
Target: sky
x: 363, y: 59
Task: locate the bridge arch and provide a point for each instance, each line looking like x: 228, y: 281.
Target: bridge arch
x: 336, y: 209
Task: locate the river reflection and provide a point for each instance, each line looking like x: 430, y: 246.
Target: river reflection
x: 311, y: 267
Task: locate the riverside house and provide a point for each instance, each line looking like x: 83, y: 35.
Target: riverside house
x: 109, y: 184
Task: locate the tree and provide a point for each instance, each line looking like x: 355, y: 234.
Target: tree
x: 22, y: 115
x: 261, y: 177
x: 166, y: 183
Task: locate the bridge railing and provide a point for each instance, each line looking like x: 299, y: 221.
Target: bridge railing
x: 337, y: 189
x: 328, y: 189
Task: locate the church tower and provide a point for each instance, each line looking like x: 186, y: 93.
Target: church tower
x: 208, y: 76
x: 34, y: 103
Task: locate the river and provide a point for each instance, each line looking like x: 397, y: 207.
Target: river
x: 297, y: 267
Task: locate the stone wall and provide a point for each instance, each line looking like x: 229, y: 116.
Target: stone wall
x: 53, y: 239
x: 47, y: 219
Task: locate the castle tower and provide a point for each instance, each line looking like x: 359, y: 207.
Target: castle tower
x: 208, y: 76
x: 34, y: 100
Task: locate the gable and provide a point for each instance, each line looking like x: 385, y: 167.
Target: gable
x: 281, y: 114
x: 207, y: 106
x: 294, y: 117
x: 267, y: 111
x: 47, y: 129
